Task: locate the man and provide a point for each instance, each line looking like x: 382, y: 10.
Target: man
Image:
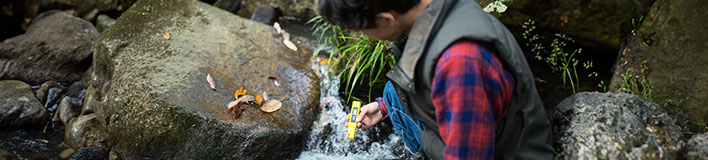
x: 461, y: 88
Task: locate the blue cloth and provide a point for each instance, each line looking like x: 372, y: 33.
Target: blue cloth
x: 406, y: 127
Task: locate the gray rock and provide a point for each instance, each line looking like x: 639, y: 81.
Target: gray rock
x: 596, y: 23
x: 697, y: 147
x: 18, y: 105
x: 79, y: 133
x: 104, y: 22
x: 89, y: 153
x: 57, y: 46
x: 267, y: 14
x: 293, y: 8
x: 91, y: 101
x: 613, y: 126
x: 153, y: 94
x: 84, y: 8
x: 43, y: 90
x: 66, y: 111
x: 232, y: 6
x: 672, y: 40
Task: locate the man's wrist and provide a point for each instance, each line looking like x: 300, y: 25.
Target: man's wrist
x: 382, y: 107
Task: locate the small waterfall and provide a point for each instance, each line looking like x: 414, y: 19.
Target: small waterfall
x: 328, y: 136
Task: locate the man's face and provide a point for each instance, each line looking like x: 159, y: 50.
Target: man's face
x: 388, y: 33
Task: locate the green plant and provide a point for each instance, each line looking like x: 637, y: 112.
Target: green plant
x: 353, y: 54
x: 558, y: 58
x: 637, y: 84
x: 636, y: 23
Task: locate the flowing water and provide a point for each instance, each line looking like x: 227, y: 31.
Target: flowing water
x: 328, y: 140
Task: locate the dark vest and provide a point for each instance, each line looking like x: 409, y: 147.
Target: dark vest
x: 525, y: 133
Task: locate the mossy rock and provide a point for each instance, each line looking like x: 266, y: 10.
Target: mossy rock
x: 672, y: 40
x: 152, y: 91
x: 594, y: 23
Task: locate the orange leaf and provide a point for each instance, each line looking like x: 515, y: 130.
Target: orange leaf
x: 166, y: 35
x: 325, y: 61
x: 259, y: 99
x: 240, y: 92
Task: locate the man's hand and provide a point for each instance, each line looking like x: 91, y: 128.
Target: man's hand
x: 370, y: 115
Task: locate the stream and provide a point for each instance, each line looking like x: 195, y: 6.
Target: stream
x: 328, y: 140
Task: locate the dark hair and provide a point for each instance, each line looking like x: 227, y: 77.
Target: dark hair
x: 361, y: 14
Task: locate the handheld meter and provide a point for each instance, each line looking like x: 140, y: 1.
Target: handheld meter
x: 356, y: 105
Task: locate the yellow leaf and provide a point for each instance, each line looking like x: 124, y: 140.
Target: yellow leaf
x: 259, y: 99
x: 240, y: 92
x: 166, y: 35
x: 271, y: 106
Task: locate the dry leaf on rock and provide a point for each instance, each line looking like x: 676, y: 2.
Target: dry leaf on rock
x: 325, y: 61
x: 276, y: 25
x: 290, y: 44
x: 166, y: 35
x: 259, y: 99
x: 265, y: 96
x: 271, y: 106
x: 231, y: 106
x: 240, y: 92
x: 276, y: 83
x: 210, y: 80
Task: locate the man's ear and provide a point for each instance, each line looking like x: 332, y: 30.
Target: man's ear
x: 385, y: 19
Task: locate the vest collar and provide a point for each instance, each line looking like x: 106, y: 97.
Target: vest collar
x: 403, y: 73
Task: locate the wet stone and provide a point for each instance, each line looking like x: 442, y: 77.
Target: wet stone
x: 89, y: 153
x: 18, y: 105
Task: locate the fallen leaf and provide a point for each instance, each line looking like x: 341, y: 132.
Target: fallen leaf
x: 276, y: 25
x: 210, y: 80
x: 166, y: 35
x: 239, y: 92
x: 285, y: 35
x: 259, y: 99
x: 231, y: 105
x: 325, y: 61
x: 235, y: 107
x: 271, y: 106
x: 265, y: 96
x: 276, y: 83
x: 289, y: 44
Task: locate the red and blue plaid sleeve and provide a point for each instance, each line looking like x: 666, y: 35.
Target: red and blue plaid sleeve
x: 471, y: 92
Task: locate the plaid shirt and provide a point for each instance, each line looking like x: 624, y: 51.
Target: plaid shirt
x: 471, y: 92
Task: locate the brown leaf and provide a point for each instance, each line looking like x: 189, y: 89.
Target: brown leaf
x: 271, y: 106
x: 231, y: 106
x: 210, y: 80
x: 259, y: 99
x: 273, y: 77
x: 240, y: 92
x: 166, y: 35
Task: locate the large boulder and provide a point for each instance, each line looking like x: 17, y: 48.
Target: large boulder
x: 613, y: 126
x: 57, y: 46
x: 303, y: 9
x: 148, y: 86
x: 594, y: 23
x: 673, y: 41
x: 18, y: 105
x: 697, y: 147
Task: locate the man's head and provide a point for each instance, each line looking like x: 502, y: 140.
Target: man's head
x: 381, y: 19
